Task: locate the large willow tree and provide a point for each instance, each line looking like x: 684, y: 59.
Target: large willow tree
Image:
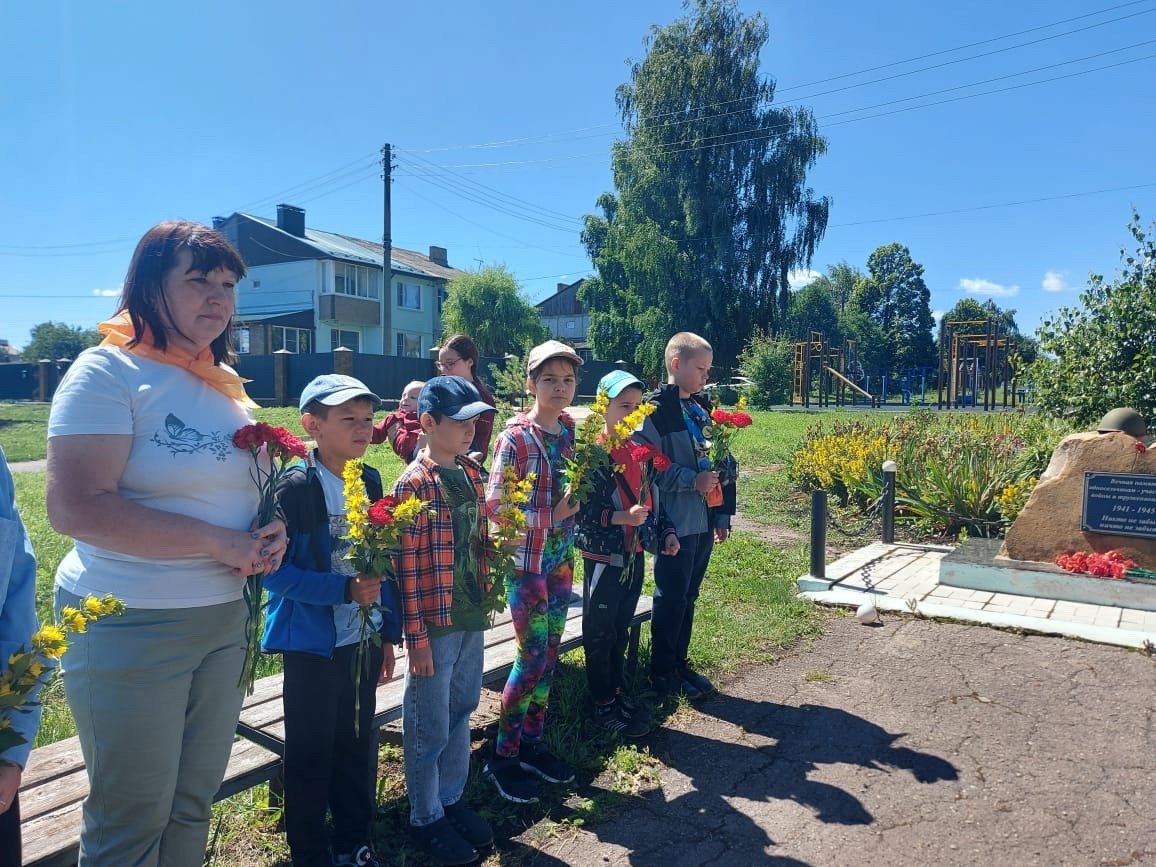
x: 712, y: 208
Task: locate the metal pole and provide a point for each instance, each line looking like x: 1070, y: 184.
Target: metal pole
x: 818, y: 534
x: 889, y: 502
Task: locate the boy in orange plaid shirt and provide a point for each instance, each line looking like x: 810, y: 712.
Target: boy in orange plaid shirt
x: 443, y: 575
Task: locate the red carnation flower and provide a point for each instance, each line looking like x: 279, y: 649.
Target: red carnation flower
x: 721, y: 416
x: 381, y: 514
x: 1140, y: 447
x: 642, y: 454
x: 741, y: 419
x: 661, y: 462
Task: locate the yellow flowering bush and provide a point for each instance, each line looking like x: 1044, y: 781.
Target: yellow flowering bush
x: 29, y: 668
x: 955, y: 471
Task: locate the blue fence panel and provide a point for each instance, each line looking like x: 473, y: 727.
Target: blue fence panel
x: 19, y: 381
x: 387, y: 375
x: 258, y: 369
x: 303, y: 369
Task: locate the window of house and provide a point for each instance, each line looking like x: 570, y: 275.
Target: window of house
x: 348, y: 339
x: 408, y: 345
x: 356, y: 280
x: 241, y: 340
x: 409, y: 296
x: 291, y: 339
x: 571, y: 324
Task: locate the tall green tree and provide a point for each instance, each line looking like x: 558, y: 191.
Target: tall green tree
x: 55, y: 340
x: 490, y: 307
x: 712, y: 208
x: 1101, y: 354
x: 842, y: 278
x: 813, y: 309
x: 894, y: 295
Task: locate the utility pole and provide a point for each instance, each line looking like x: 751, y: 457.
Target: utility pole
x: 387, y: 252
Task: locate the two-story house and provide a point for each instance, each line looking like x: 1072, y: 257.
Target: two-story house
x: 313, y: 291
x: 566, y: 318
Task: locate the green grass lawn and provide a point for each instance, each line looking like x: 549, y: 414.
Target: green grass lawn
x: 23, y: 430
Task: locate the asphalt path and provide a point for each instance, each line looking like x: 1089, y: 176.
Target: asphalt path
x: 913, y: 743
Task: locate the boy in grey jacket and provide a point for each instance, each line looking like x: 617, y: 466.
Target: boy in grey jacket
x: 677, y: 428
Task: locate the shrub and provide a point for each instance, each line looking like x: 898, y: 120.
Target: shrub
x: 767, y: 361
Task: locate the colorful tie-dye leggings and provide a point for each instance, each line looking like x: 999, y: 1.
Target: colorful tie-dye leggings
x: 538, y: 609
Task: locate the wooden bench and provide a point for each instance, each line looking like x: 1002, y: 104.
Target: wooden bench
x: 263, y: 714
x: 55, y: 784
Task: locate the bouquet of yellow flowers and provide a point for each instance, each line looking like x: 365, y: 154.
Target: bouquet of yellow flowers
x: 508, y: 527
x: 375, y: 531
x: 592, y: 447
x: 28, y: 669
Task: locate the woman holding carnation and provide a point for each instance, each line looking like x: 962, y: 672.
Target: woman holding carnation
x: 143, y: 474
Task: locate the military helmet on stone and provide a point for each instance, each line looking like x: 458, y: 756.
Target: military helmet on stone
x: 1125, y: 419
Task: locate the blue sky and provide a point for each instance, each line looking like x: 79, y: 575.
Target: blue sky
x: 119, y: 115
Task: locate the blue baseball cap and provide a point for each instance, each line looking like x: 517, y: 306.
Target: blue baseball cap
x: 331, y: 389
x: 616, y: 380
x: 453, y: 397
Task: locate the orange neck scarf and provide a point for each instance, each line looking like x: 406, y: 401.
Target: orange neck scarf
x: 118, y: 331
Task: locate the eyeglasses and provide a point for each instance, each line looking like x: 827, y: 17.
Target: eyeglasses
x: 446, y: 365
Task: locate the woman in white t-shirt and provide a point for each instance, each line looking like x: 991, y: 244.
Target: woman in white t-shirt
x: 144, y: 476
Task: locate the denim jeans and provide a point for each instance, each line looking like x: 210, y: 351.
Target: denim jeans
x: 435, y: 724
x: 155, y: 698
x: 677, y: 581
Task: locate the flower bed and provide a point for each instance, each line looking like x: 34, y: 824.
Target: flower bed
x: 956, y: 472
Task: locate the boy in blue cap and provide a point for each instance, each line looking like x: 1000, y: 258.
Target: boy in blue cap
x: 312, y: 620
x: 447, y: 599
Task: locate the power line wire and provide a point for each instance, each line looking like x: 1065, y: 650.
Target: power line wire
x: 659, y: 116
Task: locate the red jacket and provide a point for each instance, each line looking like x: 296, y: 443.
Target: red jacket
x: 403, y: 437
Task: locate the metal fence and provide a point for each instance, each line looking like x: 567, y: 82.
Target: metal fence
x: 277, y: 379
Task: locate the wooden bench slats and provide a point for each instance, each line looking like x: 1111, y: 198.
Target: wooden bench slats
x: 55, y: 783
x: 44, y: 835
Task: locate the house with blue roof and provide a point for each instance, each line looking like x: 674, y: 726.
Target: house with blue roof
x: 312, y: 291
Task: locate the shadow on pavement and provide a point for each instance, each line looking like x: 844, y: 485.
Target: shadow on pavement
x: 808, y: 736
x: 735, y: 775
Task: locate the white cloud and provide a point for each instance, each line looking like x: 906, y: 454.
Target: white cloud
x: 799, y: 279
x: 107, y: 293
x: 1054, y: 282
x: 978, y: 286
x: 937, y: 315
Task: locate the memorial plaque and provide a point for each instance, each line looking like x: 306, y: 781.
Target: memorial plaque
x: 1120, y: 504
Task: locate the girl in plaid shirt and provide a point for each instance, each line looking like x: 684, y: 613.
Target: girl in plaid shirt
x: 536, y: 441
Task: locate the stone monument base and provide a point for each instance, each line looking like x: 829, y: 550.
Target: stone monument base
x: 978, y: 565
